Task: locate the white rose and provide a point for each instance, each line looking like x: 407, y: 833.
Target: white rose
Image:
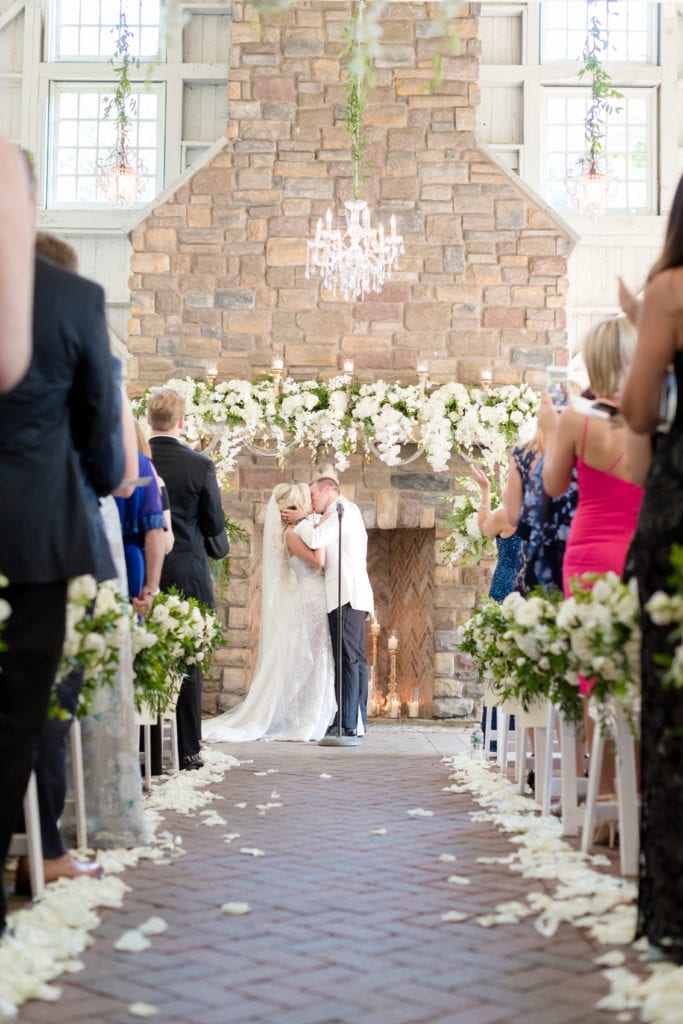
x: 5, y: 610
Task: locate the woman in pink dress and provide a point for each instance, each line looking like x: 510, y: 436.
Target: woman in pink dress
x: 595, y: 444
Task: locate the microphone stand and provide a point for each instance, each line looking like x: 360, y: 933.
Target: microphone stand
x: 339, y: 740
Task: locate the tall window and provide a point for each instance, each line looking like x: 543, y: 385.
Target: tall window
x: 85, y: 29
x: 80, y: 135
x: 630, y: 25
x: 628, y: 143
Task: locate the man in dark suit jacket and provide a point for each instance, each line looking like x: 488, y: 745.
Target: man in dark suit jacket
x: 61, y: 412
x: 198, y: 526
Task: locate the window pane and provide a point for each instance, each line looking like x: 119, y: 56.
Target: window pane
x: 564, y: 26
x: 82, y: 147
x: 85, y: 29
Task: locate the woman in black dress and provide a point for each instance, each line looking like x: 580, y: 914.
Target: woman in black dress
x: 660, y: 344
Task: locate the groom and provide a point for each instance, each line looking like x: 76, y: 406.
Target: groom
x: 356, y: 592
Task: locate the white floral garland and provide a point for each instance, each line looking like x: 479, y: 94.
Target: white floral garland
x: 341, y: 415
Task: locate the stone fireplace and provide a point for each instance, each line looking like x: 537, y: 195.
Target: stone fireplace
x: 218, y: 279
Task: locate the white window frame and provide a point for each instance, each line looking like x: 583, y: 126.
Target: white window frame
x: 54, y: 26
x: 649, y: 94
x: 652, y: 51
x: 82, y: 87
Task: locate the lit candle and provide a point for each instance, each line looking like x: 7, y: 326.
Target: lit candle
x: 414, y: 709
x: 348, y: 366
x: 392, y: 641
x: 392, y: 224
x: 211, y: 371
x: 328, y: 218
x: 395, y: 708
x: 375, y: 627
x: 422, y: 368
x: 278, y: 363
x: 318, y: 229
x: 486, y: 377
x: 380, y: 232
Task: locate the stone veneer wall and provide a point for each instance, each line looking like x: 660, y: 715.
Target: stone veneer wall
x: 218, y: 266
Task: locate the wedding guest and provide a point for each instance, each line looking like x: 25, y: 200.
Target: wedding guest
x: 494, y: 523
x: 61, y: 412
x: 291, y: 695
x: 198, y: 525
x: 16, y: 266
x: 101, y: 470
x: 609, y: 500
x: 356, y: 593
x: 660, y: 526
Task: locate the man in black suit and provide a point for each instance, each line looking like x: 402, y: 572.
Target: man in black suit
x: 60, y: 413
x: 198, y: 527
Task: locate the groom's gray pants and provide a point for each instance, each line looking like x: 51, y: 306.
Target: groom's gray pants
x: 354, y: 664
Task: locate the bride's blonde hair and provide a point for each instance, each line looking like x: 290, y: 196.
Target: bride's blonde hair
x: 287, y: 496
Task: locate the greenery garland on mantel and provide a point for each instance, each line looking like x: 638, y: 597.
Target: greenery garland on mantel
x: 344, y: 414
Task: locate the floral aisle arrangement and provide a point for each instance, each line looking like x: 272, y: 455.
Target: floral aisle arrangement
x: 179, y: 631
x: 96, y: 624
x: 666, y: 609
x: 520, y: 648
x: 537, y: 647
x: 343, y: 414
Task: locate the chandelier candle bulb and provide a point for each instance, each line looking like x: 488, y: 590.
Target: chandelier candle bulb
x: 392, y: 225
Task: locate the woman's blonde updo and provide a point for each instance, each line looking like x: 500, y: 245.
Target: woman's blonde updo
x: 292, y: 496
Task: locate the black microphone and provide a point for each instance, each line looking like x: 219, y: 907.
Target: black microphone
x: 340, y: 508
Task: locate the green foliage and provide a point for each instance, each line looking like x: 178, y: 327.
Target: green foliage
x: 220, y: 568
x: 122, y: 63
x: 602, y: 90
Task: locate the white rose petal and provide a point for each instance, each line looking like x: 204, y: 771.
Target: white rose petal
x: 420, y: 812
x: 459, y: 880
x: 236, y: 909
x: 378, y: 831
x: 454, y: 915
x: 142, y: 1010
x: 252, y: 851
x: 447, y: 857
x: 132, y: 942
x: 324, y: 775
x: 153, y: 926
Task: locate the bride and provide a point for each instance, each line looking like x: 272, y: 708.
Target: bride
x: 292, y: 692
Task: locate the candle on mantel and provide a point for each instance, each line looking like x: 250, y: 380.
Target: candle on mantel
x: 486, y: 378
x: 278, y: 363
x: 348, y: 366
x: 422, y: 368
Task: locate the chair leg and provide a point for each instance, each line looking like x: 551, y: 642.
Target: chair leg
x: 147, y: 733
x: 175, y: 754
x: 544, y: 797
x: 627, y: 795
x: 33, y: 839
x: 79, y: 784
x: 542, y: 782
x: 502, y: 736
x: 487, y: 731
x: 570, y: 809
x: 520, y: 756
x: 597, y: 753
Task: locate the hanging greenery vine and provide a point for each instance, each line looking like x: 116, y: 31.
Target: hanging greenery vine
x: 122, y: 63
x: 358, y: 81
x: 602, y: 90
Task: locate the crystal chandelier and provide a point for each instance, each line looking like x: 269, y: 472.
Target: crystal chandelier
x: 361, y: 258
x: 121, y: 177
x: 589, y: 188
x: 358, y: 260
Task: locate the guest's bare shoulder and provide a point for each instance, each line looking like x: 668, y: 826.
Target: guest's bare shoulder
x: 666, y: 290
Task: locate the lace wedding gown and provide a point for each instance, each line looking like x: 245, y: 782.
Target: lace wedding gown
x: 292, y: 693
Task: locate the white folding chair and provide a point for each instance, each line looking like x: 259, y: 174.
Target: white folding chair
x: 29, y: 843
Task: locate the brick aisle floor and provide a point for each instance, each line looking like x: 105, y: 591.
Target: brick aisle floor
x: 344, y: 925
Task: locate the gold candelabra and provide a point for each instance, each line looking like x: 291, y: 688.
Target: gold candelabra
x: 392, y: 704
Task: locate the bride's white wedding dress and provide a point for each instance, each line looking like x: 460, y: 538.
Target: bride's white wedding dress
x: 292, y: 692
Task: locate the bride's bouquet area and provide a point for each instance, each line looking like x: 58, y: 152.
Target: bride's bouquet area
x: 542, y: 646
x: 178, y: 632
x: 96, y: 625
x: 342, y: 415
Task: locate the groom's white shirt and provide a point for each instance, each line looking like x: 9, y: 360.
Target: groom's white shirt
x: 355, y: 583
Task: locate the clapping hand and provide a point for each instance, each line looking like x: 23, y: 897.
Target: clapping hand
x: 480, y: 476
